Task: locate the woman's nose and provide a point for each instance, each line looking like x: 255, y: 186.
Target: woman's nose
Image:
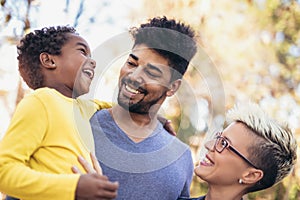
x: 210, y: 145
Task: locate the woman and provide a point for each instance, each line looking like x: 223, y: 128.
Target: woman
x: 253, y: 153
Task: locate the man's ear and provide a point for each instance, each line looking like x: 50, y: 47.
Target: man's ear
x: 173, y: 87
x: 252, y: 176
x: 47, y: 61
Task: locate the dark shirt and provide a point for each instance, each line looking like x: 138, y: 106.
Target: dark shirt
x: 186, y: 198
x: 199, y: 198
x: 10, y: 198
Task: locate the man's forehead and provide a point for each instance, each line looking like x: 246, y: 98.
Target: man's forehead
x: 146, y: 54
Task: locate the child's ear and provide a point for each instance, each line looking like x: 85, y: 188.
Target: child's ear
x: 47, y: 61
x: 174, y: 87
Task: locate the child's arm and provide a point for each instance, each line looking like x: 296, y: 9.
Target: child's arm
x: 24, y: 136
x: 103, y: 104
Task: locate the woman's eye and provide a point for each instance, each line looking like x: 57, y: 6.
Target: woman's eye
x: 223, y: 143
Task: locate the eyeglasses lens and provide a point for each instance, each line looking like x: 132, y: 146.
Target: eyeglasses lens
x: 221, y: 144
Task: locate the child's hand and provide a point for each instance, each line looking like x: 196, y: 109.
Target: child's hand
x: 88, y: 168
x: 93, y: 185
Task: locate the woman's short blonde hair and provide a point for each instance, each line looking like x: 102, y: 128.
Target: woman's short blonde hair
x: 274, y: 148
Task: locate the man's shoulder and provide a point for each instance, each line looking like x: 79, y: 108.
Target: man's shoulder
x: 102, y: 118
x: 171, y: 138
x: 102, y: 114
x: 176, y: 146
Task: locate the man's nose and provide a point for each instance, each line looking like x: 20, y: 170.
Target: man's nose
x: 137, y: 75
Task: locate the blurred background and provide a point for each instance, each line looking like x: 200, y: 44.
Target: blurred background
x: 251, y: 52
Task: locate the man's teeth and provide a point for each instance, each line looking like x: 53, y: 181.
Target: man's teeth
x: 89, y: 72
x: 131, y: 89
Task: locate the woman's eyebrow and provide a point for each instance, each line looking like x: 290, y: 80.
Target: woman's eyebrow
x: 227, y: 139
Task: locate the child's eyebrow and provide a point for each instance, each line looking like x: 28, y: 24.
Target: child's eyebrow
x: 81, y: 44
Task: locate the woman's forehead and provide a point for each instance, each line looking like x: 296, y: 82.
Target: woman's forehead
x: 237, y: 133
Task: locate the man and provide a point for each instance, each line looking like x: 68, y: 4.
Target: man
x: 131, y: 146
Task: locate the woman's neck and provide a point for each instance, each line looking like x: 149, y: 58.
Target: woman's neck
x: 224, y: 193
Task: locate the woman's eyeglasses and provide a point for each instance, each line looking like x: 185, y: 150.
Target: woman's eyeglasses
x: 221, y: 143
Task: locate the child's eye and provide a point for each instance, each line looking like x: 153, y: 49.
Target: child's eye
x: 83, y: 51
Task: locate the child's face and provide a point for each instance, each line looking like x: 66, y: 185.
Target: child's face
x: 75, y: 68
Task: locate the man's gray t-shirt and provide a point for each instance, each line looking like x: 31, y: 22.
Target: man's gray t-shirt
x: 159, y: 167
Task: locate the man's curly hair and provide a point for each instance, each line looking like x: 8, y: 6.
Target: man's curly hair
x: 172, y: 39
x: 49, y: 40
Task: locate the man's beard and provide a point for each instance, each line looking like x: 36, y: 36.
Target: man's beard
x: 141, y: 107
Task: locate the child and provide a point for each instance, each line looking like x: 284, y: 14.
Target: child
x: 50, y: 127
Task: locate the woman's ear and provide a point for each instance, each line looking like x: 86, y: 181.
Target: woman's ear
x: 47, y: 61
x: 252, y: 176
x: 173, y: 87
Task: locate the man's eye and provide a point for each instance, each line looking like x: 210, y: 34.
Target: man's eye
x: 131, y: 64
x: 153, y: 74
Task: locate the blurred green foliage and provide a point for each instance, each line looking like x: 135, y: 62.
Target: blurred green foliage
x: 282, y: 19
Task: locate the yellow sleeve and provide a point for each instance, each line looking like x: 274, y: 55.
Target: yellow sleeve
x: 89, y: 107
x: 102, y: 104
x: 24, y: 135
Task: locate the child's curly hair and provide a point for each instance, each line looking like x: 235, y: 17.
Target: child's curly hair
x: 49, y: 40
